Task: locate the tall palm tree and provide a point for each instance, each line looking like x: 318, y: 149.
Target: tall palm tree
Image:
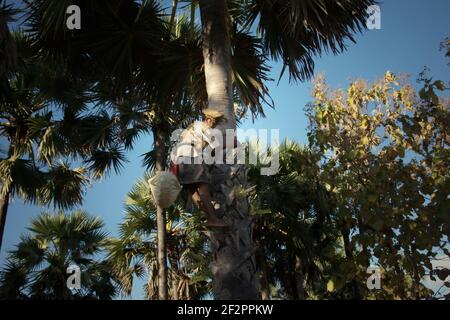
x: 295, y: 32
x: 37, y: 268
x: 162, y: 66
x: 45, y: 123
x: 122, y: 66
x: 135, y: 252
x: 33, y: 138
x: 177, y: 100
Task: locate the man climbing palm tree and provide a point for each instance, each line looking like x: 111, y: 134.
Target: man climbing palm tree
x: 192, y: 171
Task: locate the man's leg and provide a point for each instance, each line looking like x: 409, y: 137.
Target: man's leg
x: 202, y: 198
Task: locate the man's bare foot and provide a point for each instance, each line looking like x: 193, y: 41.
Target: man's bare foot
x: 216, y: 223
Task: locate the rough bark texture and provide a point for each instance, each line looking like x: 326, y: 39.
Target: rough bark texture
x: 233, y: 262
x: 158, y: 137
x: 174, y: 257
x: 4, y: 202
x: 173, y: 14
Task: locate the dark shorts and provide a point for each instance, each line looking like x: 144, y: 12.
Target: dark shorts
x: 189, y: 174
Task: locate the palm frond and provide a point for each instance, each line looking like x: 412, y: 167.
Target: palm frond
x: 29, y: 252
x: 64, y: 187
x: 20, y: 177
x: 95, y: 131
x: 8, y: 51
x: 36, y: 268
x: 149, y: 160
x: 130, y: 34
x: 250, y: 72
x: 133, y: 121
x: 102, y: 161
x: 13, y: 280
x: 296, y: 31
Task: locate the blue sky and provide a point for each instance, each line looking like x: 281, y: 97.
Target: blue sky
x: 411, y: 31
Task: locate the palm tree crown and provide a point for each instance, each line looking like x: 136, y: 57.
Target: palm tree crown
x: 37, y: 268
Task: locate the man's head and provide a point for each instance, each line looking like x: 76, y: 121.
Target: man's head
x: 212, y: 117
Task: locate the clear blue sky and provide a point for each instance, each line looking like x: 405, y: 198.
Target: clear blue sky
x: 411, y: 31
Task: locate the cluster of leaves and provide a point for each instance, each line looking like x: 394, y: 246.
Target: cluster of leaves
x: 143, y: 51
x: 45, y: 124
x: 294, y: 229
x: 385, y: 160
x: 146, y: 73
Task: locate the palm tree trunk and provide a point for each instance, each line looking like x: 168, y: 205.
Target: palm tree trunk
x: 233, y: 253
x: 233, y: 264
x: 175, y: 284
x: 300, y: 278
x: 159, y: 139
x: 4, y: 200
x: 291, y: 275
x: 263, y: 282
x: 217, y: 58
x: 192, y: 20
x: 4, y: 203
x: 173, y: 258
x: 173, y: 14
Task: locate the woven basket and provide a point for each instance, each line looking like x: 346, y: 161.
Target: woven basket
x: 165, y: 188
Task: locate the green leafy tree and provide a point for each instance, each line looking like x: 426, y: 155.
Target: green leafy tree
x: 385, y: 160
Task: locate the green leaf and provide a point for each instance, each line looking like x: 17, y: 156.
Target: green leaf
x: 101, y: 161
x: 423, y: 94
x: 401, y: 151
x: 353, y: 154
x: 439, y: 84
x: 365, y: 141
x: 442, y: 273
x: 372, y: 197
x: 378, y: 225
x: 330, y: 286
x: 434, y: 97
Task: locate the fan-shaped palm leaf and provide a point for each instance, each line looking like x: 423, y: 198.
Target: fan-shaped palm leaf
x: 64, y: 187
x: 296, y: 31
x: 36, y: 268
x: 8, y: 54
